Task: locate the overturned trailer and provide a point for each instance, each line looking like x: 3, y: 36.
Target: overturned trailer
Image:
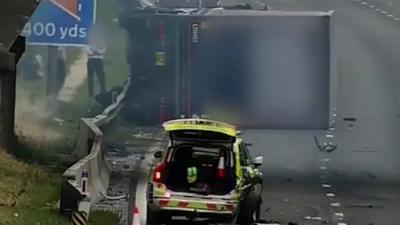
x: 257, y: 68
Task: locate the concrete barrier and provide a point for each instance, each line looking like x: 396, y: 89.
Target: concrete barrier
x: 88, y: 179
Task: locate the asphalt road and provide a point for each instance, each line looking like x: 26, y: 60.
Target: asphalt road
x: 362, y: 176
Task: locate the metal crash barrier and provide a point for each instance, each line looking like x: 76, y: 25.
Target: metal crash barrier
x: 86, y: 182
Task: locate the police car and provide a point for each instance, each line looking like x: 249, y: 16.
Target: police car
x: 205, y: 173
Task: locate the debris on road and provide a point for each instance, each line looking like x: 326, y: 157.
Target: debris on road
x: 288, y: 180
x: 362, y: 205
x: 326, y: 147
x: 370, y: 175
x: 351, y: 119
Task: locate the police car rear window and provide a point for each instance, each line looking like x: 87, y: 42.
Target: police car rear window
x: 200, y: 135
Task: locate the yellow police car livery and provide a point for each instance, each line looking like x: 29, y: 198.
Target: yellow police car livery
x: 206, y: 172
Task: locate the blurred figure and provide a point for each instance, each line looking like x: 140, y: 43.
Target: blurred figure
x: 61, y: 68
x: 30, y: 67
x: 95, y: 64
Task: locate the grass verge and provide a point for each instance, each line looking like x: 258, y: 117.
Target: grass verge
x: 28, y: 194
x: 103, y: 218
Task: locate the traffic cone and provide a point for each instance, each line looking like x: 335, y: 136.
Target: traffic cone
x: 221, y: 167
x: 136, y: 217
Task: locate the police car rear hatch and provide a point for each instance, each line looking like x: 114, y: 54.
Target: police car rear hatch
x: 200, y: 130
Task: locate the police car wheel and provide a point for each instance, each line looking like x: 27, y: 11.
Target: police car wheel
x: 249, y: 213
x: 154, y: 218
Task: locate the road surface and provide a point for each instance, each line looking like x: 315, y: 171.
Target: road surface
x: 359, y: 182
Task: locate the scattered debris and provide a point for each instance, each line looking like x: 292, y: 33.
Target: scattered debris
x: 326, y: 147
x: 370, y: 175
x: 362, y: 205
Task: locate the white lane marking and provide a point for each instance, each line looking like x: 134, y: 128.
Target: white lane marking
x: 378, y: 9
x: 330, y: 195
x: 335, y: 204
x: 140, y: 198
x: 323, y: 168
x: 339, y: 214
x: 326, y: 160
x: 364, y: 3
x: 329, y: 135
x: 384, y: 12
x: 390, y: 15
x: 342, y: 224
x: 396, y: 19
x: 326, y: 186
x: 332, y: 129
x: 371, y: 6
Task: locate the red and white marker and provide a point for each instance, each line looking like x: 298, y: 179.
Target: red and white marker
x: 136, y: 217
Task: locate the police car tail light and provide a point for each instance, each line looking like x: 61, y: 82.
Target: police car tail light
x: 221, y: 173
x: 158, y: 174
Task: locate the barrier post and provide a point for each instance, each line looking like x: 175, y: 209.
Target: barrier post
x: 84, y: 182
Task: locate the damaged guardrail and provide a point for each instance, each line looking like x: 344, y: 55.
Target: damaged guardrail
x: 86, y: 182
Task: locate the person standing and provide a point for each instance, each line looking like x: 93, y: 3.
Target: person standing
x: 61, y: 67
x: 95, y: 65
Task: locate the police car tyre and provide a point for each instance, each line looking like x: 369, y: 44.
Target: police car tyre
x: 154, y: 218
x: 250, y: 210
